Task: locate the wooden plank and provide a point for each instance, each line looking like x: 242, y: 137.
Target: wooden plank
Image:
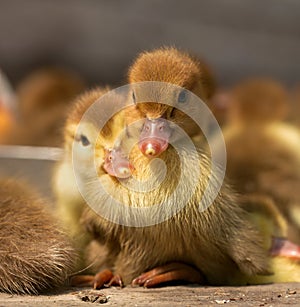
x: 267, y: 295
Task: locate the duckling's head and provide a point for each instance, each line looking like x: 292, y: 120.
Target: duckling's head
x: 169, y: 66
x: 48, y: 88
x: 176, y: 67
x: 91, y: 144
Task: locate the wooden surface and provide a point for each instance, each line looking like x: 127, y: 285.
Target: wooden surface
x: 268, y: 295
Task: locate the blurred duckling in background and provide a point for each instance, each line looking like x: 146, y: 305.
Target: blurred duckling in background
x: 44, y: 97
x: 8, y: 114
x: 263, y: 152
x: 35, y: 253
x: 272, y: 226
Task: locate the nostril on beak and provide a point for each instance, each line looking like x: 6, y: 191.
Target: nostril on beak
x: 150, y: 151
x: 150, y: 148
x: 124, y: 171
x: 109, y: 155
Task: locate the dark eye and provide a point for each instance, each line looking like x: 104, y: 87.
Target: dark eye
x: 84, y: 140
x: 127, y: 131
x: 182, y: 97
x: 133, y: 97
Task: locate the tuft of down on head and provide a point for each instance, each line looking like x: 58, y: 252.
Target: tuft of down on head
x: 102, y: 105
x: 76, y: 113
x: 35, y: 252
x: 81, y: 105
x: 175, y: 67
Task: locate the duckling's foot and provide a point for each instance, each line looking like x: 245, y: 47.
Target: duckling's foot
x: 115, y: 281
x: 82, y: 280
x: 174, y: 271
x: 102, y: 279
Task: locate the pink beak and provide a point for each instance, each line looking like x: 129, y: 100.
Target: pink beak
x: 285, y: 248
x: 117, y: 165
x: 154, y: 138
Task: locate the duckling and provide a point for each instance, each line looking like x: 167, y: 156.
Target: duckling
x: 35, y: 252
x: 44, y: 96
x: 215, y: 246
x: 172, y: 66
x: 149, y: 131
x: 69, y: 202
x: 272, y: 227
x: 285, y: 255
x: 264, y: 215
x: 262, y: 150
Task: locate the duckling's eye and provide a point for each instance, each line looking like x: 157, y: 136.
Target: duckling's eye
x: 83, y: 140
x: 133, y: 97
x: 127, y: 131
x: 182, y: 97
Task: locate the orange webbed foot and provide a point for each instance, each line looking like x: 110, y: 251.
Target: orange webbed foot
x: 82, y: 281
x: 174, y: 271
x: 102, y: 279
x: 116, y: 281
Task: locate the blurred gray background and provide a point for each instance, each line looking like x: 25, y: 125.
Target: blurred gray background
x: 99, y: 39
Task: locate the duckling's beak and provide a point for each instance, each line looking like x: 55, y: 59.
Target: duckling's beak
x: 154, y: 138
x: 285, y: 248
x: 116, y: 164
